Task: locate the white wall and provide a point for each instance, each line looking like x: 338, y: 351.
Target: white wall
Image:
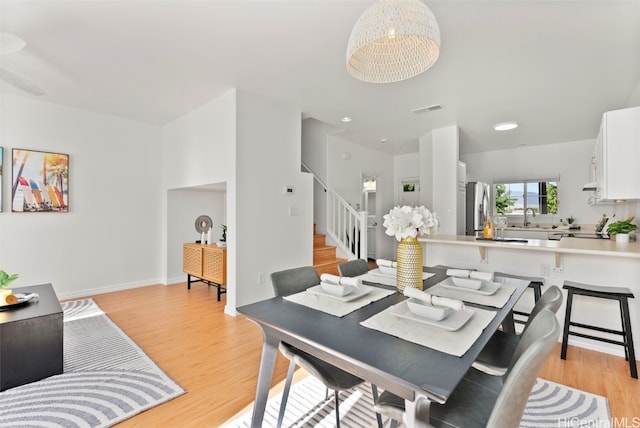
x: 252, y: 145
x: 314, y: 146
x: 314, y: 155
x: 569, y: 161
x: 344, y: 176
x: 273, y: 230
x: 111, y: 237
x: 199, y: 150
x: 198, y: 147
x: 404, y: 166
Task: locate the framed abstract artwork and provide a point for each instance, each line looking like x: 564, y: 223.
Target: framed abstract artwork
x: 40, y: 181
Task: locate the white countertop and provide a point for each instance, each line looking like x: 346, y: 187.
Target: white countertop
x: 603, y: 247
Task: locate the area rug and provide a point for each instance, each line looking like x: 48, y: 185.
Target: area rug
x: 107, y: 378
x: 550, y: 405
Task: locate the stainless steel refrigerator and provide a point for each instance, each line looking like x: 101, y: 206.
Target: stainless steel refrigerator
x: 478, y: 206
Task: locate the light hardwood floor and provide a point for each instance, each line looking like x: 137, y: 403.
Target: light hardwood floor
x: 215, y: 357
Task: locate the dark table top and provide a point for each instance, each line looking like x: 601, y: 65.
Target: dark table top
x: 400, y: 366
x: 46, y: 304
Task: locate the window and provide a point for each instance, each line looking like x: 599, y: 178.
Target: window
x: 514, y: 197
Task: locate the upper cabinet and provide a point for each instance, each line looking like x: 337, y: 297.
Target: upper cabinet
x: 617, y: 156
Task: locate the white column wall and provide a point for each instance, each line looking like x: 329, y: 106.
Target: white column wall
x: 426, y: 169
x: 273, y: 230
x: 111, y: 237
x: 445, y: 177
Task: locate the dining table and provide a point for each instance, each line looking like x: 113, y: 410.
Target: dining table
x: 419, y: 374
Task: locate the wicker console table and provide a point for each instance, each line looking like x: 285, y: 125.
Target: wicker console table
x: 208, y: 263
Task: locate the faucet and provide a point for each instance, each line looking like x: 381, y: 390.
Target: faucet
x: 533, y: 213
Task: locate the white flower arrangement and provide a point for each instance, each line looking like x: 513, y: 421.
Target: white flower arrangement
x: 406, y: 221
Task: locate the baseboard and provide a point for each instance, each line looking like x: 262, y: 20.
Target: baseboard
x: 107, y: 289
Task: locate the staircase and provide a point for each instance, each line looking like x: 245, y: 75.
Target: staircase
x: 324, y: 257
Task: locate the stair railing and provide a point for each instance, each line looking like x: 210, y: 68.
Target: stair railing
x: 346, y: 227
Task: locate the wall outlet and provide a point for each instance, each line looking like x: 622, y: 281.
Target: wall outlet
x: 545, y: 269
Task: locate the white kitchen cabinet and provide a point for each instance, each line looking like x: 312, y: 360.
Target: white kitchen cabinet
x: 618, y: 155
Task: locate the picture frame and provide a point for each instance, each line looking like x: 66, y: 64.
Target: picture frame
x: 40, y: 181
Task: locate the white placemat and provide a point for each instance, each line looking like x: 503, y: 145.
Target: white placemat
x: 497, y: 300
x: 381, y: 278
x: 337, y: 307
x: 450, y: 342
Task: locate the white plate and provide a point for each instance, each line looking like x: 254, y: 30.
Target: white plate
x: 337, y: 289
x: 378, y: 272
x: 454, y: 321
x: 427, y: 310
x: 474, y: 284
x: 23, y: 299
x: 388, y: 270
x: 487, y: 288
x: 318, y: 291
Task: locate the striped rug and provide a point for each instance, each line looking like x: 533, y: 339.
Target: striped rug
x: 550, y: 405
x: 107, y: 378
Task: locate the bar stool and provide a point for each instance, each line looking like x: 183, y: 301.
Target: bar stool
x: 621, y: 294
x: 535, y: 282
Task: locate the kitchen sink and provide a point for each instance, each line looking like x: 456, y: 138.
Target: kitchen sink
x: 516, y: 240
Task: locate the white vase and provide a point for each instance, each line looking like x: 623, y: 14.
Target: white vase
x: 622, y: 238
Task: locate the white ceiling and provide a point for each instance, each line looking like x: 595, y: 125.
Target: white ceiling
x: 553, y: 66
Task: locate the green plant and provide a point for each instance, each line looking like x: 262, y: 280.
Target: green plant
x: 224, y: 232
x: 622, y: 226
x: 6, y: 279
x: 503, y: 201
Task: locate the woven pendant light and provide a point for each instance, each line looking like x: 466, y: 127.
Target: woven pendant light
x: 393, y: 40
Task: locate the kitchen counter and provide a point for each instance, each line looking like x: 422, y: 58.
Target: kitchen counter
x: 603, y: 247
x: 591, y: 261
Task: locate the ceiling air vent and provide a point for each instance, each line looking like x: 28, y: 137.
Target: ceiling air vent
x: 427, y: 109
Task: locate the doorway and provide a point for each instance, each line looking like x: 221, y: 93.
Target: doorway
x: 369, y: 204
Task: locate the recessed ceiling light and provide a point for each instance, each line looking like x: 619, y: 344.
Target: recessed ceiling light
x: 383, y: 140
x: 505, y: 126
x: 345, y: 119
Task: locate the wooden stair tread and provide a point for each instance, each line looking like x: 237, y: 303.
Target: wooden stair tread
x: 324, y: 256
